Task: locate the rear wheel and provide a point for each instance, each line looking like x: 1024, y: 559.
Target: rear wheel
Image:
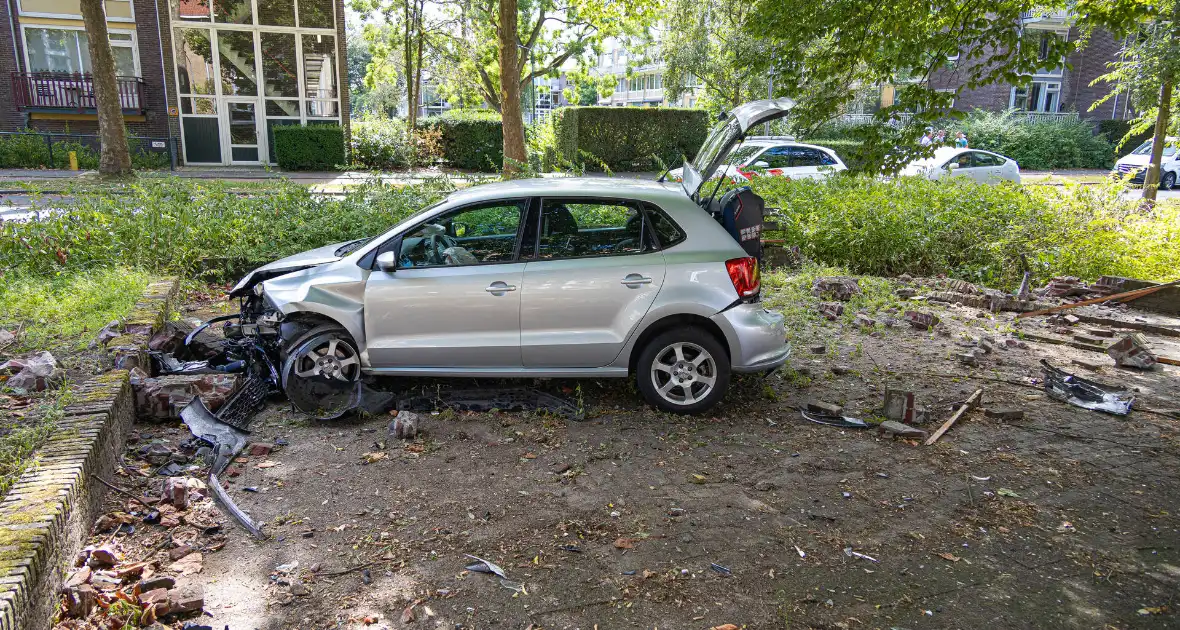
x: 322, y: 371
x: 1167, y: 181
x: 683, y: 371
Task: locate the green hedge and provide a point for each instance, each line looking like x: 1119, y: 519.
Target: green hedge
x: 973, y: 231
x: 314, y: 147
x: 469, y: 139
x: 1037, y: 146
x: 31, y: 151
x: 627, y: 138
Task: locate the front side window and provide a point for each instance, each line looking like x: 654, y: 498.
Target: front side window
x: 574, y: 229
x: 776, y: 157
x: 471, y: 236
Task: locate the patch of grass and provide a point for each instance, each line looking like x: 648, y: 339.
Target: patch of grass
x: 65, y: 311
x: 20, y: 435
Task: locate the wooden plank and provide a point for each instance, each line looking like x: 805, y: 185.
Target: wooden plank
x: 1140, y: 326
x: 946, y: 426
x: 1122, y: 297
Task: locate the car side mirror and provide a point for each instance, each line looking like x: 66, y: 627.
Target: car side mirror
x: 952, y: 166
x: 760, y: 164
x: 387, y: 262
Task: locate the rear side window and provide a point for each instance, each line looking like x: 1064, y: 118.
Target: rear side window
x: 806, y: 156
x: 572, y: 228
x: 663, y: 228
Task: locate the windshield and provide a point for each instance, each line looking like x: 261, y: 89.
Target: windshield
x: 741, y: 155
x: 1145, y: 149
x: 352, y: 246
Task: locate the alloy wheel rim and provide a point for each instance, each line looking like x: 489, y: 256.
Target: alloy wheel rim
x: 334, y: 358
x: 684, y: 373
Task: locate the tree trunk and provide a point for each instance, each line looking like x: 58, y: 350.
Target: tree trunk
x: 408, y: 55
x: 1151, y: 181
x: 511, y: 116
x: 114, y: 158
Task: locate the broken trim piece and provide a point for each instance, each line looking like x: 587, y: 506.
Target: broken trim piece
x: 1085, y: 393
x: 227, y: 442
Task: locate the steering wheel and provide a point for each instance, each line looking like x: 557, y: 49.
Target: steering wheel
x: 438, y: 243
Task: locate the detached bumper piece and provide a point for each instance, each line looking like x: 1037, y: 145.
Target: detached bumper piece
x: 1085, y: 393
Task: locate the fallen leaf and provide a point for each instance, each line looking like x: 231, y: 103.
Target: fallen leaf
x: 1153, y: 610
x: 625, y: 543
x: 530, y: 456
x: 1005, y: 492
x: 728, y: 626
x: 192, y: 563
x: 375, y: 456
x: 415, y: 448
x: 266, y: 464
x: 649, y: 574
x: 699, y: 478
x: 949, y: 556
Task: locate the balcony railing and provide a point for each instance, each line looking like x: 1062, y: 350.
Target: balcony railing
x: 74, y: 92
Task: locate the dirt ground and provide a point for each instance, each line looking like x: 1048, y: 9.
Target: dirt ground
x: 751, y: 516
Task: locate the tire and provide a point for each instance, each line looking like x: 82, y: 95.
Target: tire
x: 1167, y: 181
x: 673, y: 377
x: 321, y: 372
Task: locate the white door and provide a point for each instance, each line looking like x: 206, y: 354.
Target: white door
x: 241, y: 138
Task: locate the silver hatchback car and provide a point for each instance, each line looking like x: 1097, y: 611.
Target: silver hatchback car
x: 562, y: 277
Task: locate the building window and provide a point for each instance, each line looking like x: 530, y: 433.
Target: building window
x: 1037, y: 96
x: 67, y: 50
x: 316, y: 13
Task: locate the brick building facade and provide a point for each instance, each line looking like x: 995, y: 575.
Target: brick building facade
x: 261, y: 63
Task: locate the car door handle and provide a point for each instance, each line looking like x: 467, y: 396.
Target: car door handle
x: 635, y: 280
x: 500, y: 287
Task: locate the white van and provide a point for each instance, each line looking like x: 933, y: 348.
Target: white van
x: 1136, y: 163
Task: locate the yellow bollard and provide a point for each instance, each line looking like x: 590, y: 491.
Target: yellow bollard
x: 73, y: 160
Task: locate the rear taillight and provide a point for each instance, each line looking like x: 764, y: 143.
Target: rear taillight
x: 743, y: 273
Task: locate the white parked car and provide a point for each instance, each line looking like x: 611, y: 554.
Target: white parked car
x: 1136, y: 163
x: 982, y: 166
x: 776, y: 156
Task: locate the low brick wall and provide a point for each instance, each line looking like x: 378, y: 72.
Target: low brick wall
x: 46, y: 515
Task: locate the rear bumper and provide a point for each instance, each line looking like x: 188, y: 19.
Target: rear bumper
x: 756, y: 336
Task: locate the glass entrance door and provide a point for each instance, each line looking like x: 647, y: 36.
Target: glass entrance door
x: 242, y: 125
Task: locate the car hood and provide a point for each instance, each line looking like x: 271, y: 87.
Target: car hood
x: 1134, y: 160
x: 727, y: 133
x: 303, y: 260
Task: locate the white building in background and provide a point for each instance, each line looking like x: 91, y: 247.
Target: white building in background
x: 644, y: 87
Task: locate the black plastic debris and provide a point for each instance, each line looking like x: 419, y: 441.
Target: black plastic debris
x: 227, y: 442
x: 500, y: 399
x: 725, y: 571
x: 171, y: 469
x: 485, y: 566
x: 1084, y: 393
x: 843, y: 422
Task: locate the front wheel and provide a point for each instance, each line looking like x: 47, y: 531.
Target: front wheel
x: 322, y: 372
x: 1167, y: 181
x: 683, y: 371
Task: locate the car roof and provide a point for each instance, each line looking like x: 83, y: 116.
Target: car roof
x: 610, y: 187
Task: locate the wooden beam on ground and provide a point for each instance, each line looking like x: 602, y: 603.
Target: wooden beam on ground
x: 946, y: 426
x: 1062, y: 342
x: 1140, y: 326
x: 1122, y: 297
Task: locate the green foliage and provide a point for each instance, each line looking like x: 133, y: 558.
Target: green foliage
x: 31, y: 151
x: 627, y: 138
x: 1038, y: 146
x: 1123, y: 135
x: 469, y: 138
x: 383, y: 144
x: 707, y: 45
x: 848, y: 150
x: 67, y: 310
x: 187, y: 226
x: 313, y: 147
x: 971, y: 231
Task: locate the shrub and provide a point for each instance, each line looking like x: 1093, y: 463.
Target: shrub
x: 314, y: 147
x: 181, y: 226
x: 972, y: 231
x: 627, y: 138
x: 471, y: 139
x: 1115, y: 130
x: 1042, y: 145
x: 382, y: 144
x: 31, y: 151
x: 23, y: 151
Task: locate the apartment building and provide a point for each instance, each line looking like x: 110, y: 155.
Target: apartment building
x: 219, y: 75
x: 643, y: 86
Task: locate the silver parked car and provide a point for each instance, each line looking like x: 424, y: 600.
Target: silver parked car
x: 565, y: 277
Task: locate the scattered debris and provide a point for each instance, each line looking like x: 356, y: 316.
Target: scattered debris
x: 920, y: 320
x: 484, y: 400
x: 946, y: 426
x: 1132, y: 351
x: 835, y: 287
x: 899, y: 405
x: 485, y: 566
x: 1085, y: 393
x: 818, y: 406
x: 227, y: 442
x: 831, y: 310
x: 34, y: 373
x: 1093, y: 366
x: 892, y: 428
x: 1126, y: 296
x: 725, y: 571
x: 6, y: 338
x: 1005, y: 414
x: 404, y: 426
x: 835, y: 420
x: 855, y: 554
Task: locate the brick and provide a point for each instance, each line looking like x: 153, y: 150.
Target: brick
x: 261, y: 449
x: 1004, y: 413
x: 1131, y: 351
x: 830, y: 409
x: 920, y: 320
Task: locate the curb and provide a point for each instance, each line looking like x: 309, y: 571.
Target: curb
x: 45, y: 517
